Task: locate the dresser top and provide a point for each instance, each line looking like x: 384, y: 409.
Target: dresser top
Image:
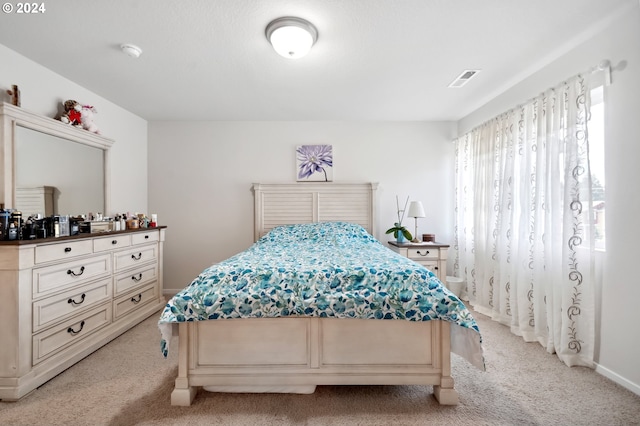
x: 76, y: 237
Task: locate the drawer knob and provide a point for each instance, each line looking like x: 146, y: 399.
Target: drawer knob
x: 134, y: 300
x: 74, y: 332
x: 70, y: 272
x: 138, y: 278
x: 133, y: 256
x: 114, y: 242
x: 67, y: 249
x: 73, y: 302
x: 146, y: 237
x: 425, y: 253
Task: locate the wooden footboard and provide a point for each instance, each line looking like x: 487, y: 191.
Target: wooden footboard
x: 270, y: 352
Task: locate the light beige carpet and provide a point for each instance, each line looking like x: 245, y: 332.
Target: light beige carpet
x: 127, y: 382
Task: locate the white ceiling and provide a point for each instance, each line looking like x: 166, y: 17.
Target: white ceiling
x: 374, y: 59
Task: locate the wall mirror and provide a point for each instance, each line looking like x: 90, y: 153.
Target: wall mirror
x: 68, y: 175
x: 51, y: 167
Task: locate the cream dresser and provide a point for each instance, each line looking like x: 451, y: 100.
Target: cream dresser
x: 63, y: 298
x: 432, y: 256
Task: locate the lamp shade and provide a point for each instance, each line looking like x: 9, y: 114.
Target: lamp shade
x: 416, y: 209
x: 291, y: 37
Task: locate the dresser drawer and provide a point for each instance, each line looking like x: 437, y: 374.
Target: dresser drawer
x: 135, y: 278
x: 132, y: 301
x: 70, y: 274
x: 144, y: 237
x: 134, y: 257
x: 423, y: 253
x: 431, y: 265
x: 64, y: 305
x: 110, y: 243
x: 69, y: 332
x: 52, y: 252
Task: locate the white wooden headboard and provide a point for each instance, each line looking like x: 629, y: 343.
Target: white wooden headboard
x: 289, y: 203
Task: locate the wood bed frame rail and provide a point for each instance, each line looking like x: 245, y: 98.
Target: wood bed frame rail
x: 235, y: 353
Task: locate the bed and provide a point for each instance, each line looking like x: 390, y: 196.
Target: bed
x: 316, y: 300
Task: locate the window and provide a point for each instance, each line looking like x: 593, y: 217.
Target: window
x: 595, y: 127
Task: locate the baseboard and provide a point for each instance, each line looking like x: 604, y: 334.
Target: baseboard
x: 633, y: 387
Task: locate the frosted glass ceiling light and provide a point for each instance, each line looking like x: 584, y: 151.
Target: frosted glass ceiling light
x: 291, y: 37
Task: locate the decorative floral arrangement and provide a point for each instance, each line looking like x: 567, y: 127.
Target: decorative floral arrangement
x: 399, y: 231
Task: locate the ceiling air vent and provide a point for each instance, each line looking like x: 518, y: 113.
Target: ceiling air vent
x: 463, y: 78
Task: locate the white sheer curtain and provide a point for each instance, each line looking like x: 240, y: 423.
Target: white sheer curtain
x: 524, y: 238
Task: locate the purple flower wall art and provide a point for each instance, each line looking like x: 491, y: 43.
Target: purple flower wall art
x: 315, y: 163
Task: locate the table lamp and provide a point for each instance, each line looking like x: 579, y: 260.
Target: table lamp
x: 416, y: 210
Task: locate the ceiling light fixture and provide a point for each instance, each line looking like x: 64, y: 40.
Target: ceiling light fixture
x: 131, y: 50
x: 291, y: 37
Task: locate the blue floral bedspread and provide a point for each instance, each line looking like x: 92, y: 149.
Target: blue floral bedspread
x: 330, y: 269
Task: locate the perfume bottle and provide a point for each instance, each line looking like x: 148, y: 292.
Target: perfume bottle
x: 13, y: 231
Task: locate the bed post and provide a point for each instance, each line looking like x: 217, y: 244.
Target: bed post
x: 445, y: 393
x: 372, y: 212
x: 258, y: 224
x: 183, y: 394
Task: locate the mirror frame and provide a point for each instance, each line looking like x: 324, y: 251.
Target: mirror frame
x: 11, y: 117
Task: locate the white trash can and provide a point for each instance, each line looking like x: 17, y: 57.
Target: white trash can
x: 455, y: 284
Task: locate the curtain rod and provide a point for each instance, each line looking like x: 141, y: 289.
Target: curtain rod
x: 604, y: 66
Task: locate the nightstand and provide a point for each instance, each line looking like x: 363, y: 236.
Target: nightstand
x: 432, y: 256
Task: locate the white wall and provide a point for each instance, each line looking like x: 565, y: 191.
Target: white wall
x: 618, y: 354
x: 43, y: 92
x: 200, y: 177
